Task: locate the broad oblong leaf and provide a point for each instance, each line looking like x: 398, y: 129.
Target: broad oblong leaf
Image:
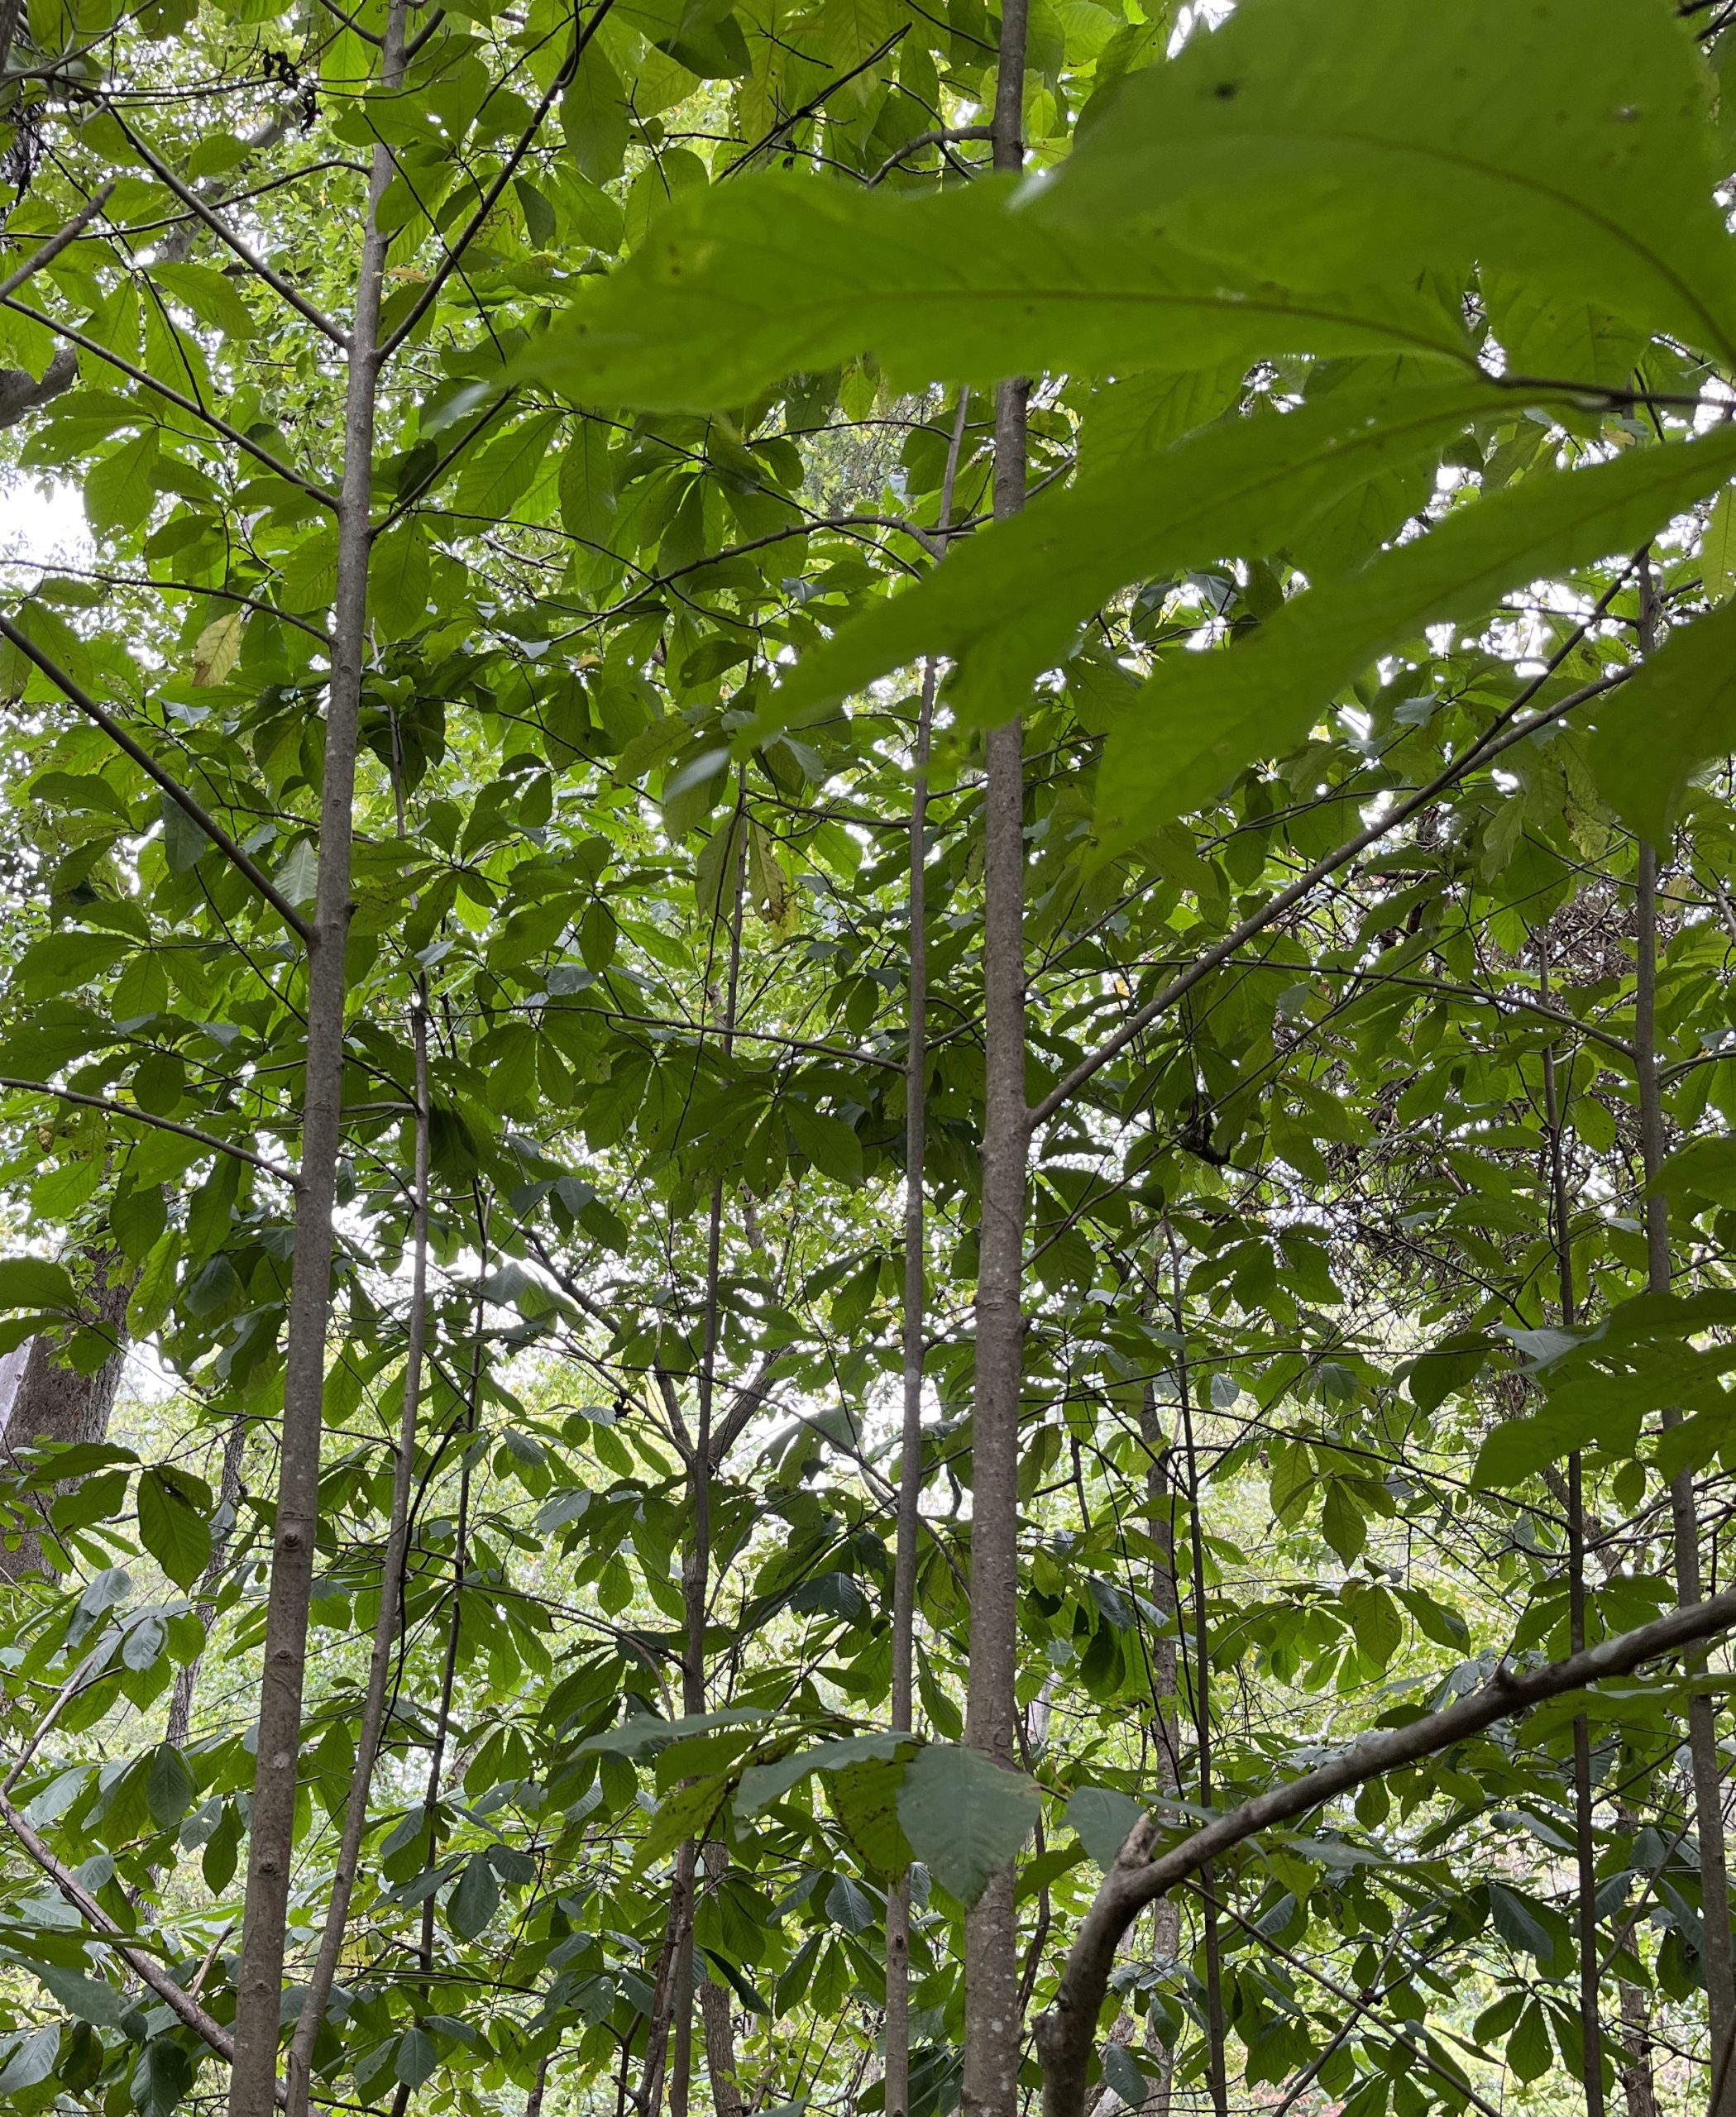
x: 1100, y: 1818
x: 1567, y: 140
x: 1007, y: 604
x: 738, y: 287
x: 1202, y: 717
x: 965, y: 1817
x: 1666, y: 723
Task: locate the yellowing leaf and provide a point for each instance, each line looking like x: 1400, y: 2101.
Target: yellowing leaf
x: 217, y: 649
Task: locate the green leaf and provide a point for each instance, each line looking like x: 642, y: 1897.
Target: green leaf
x: 1008, y: 604
x: 34, y: 1283
x: 173, y: 1526
x: 643, y: 1729
x: 475, y: 1900
x: 1667, y: 723
x: 169, y: 1790
x: 828, y: 1142
x: 211, y: 295
x: 299, y: 875
x: 588, y: 484
x: 162, y: 2078
x: 1718, y: 547
x: 1100, y: 1818
x: 1523, y: 1924
x: 120, y: 489
x: 1317, y: 141
x: 1203, y: 717
x: 1123, y: 2074
x: 398, y: 575
x: 686, y: 1812
x: 184, y: 843
x: 595, y: 117
x: 494, y: 480
x: 85, y: 1999
x: 32, y: 2061
x: 414, y: 2060
x: 1529, y: 2051
x: 1343, y: 1523
x: 762, y: 1783
x: 864, y: 1797
x: 965, y: 1817
x: 739, y: 285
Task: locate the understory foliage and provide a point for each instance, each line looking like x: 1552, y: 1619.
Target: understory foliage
x: 577, y: 428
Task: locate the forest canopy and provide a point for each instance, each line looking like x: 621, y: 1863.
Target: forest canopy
x: 867, y: 1113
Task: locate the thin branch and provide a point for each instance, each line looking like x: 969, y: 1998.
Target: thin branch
x: 79, y: 697
x: 225, y: 234
x: 1486, y: 747
x: 943, y: 136
x: 1066, y: 2035
x: 233, y: 435
x: 112, y: 1109
x: 508, y: 168
x: 182, y: 2005
x: 62, y: 239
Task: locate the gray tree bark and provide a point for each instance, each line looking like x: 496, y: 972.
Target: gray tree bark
x: 993, y: 2027
x: 48, y: 1401
x: 253, y: 2080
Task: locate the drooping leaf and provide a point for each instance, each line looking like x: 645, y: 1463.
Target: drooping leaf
x: 965, y: 1817
x: 740, y: 285
x: 85, y: 1999
x: 475, y: 1899
x: 1667, y: 722
x: 169, y: 1788
x: 1203, y: 717
x: 1100, y: 1818
x: 1008, y: 604
x: 173, y: 1525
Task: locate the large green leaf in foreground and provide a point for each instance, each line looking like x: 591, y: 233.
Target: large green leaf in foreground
x: 1201, y: 717
x: 1566, y: 139
x: 737, y: 287
x: 1007, y: 604
x: 1673, y: 717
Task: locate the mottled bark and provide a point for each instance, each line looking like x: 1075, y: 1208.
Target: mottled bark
x: 51, y: 1401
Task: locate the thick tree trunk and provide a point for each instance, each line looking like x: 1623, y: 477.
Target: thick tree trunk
x: 993, y: 2024
x: 259, y: 1998
x: 48, y: 1401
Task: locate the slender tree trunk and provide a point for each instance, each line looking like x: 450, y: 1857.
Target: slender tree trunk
x: 696, y: 1561
x: 1639, y: 2083
x: 897, y: 2073
x: 721, y: 2069
x: 1591, y: 2041
x: 992, y: 2028
x: 1166, y: 1733
x: 385, y: 1627
x: 271, y: 1842
x: 1216, y: 2078
x: 1702, y: 1727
